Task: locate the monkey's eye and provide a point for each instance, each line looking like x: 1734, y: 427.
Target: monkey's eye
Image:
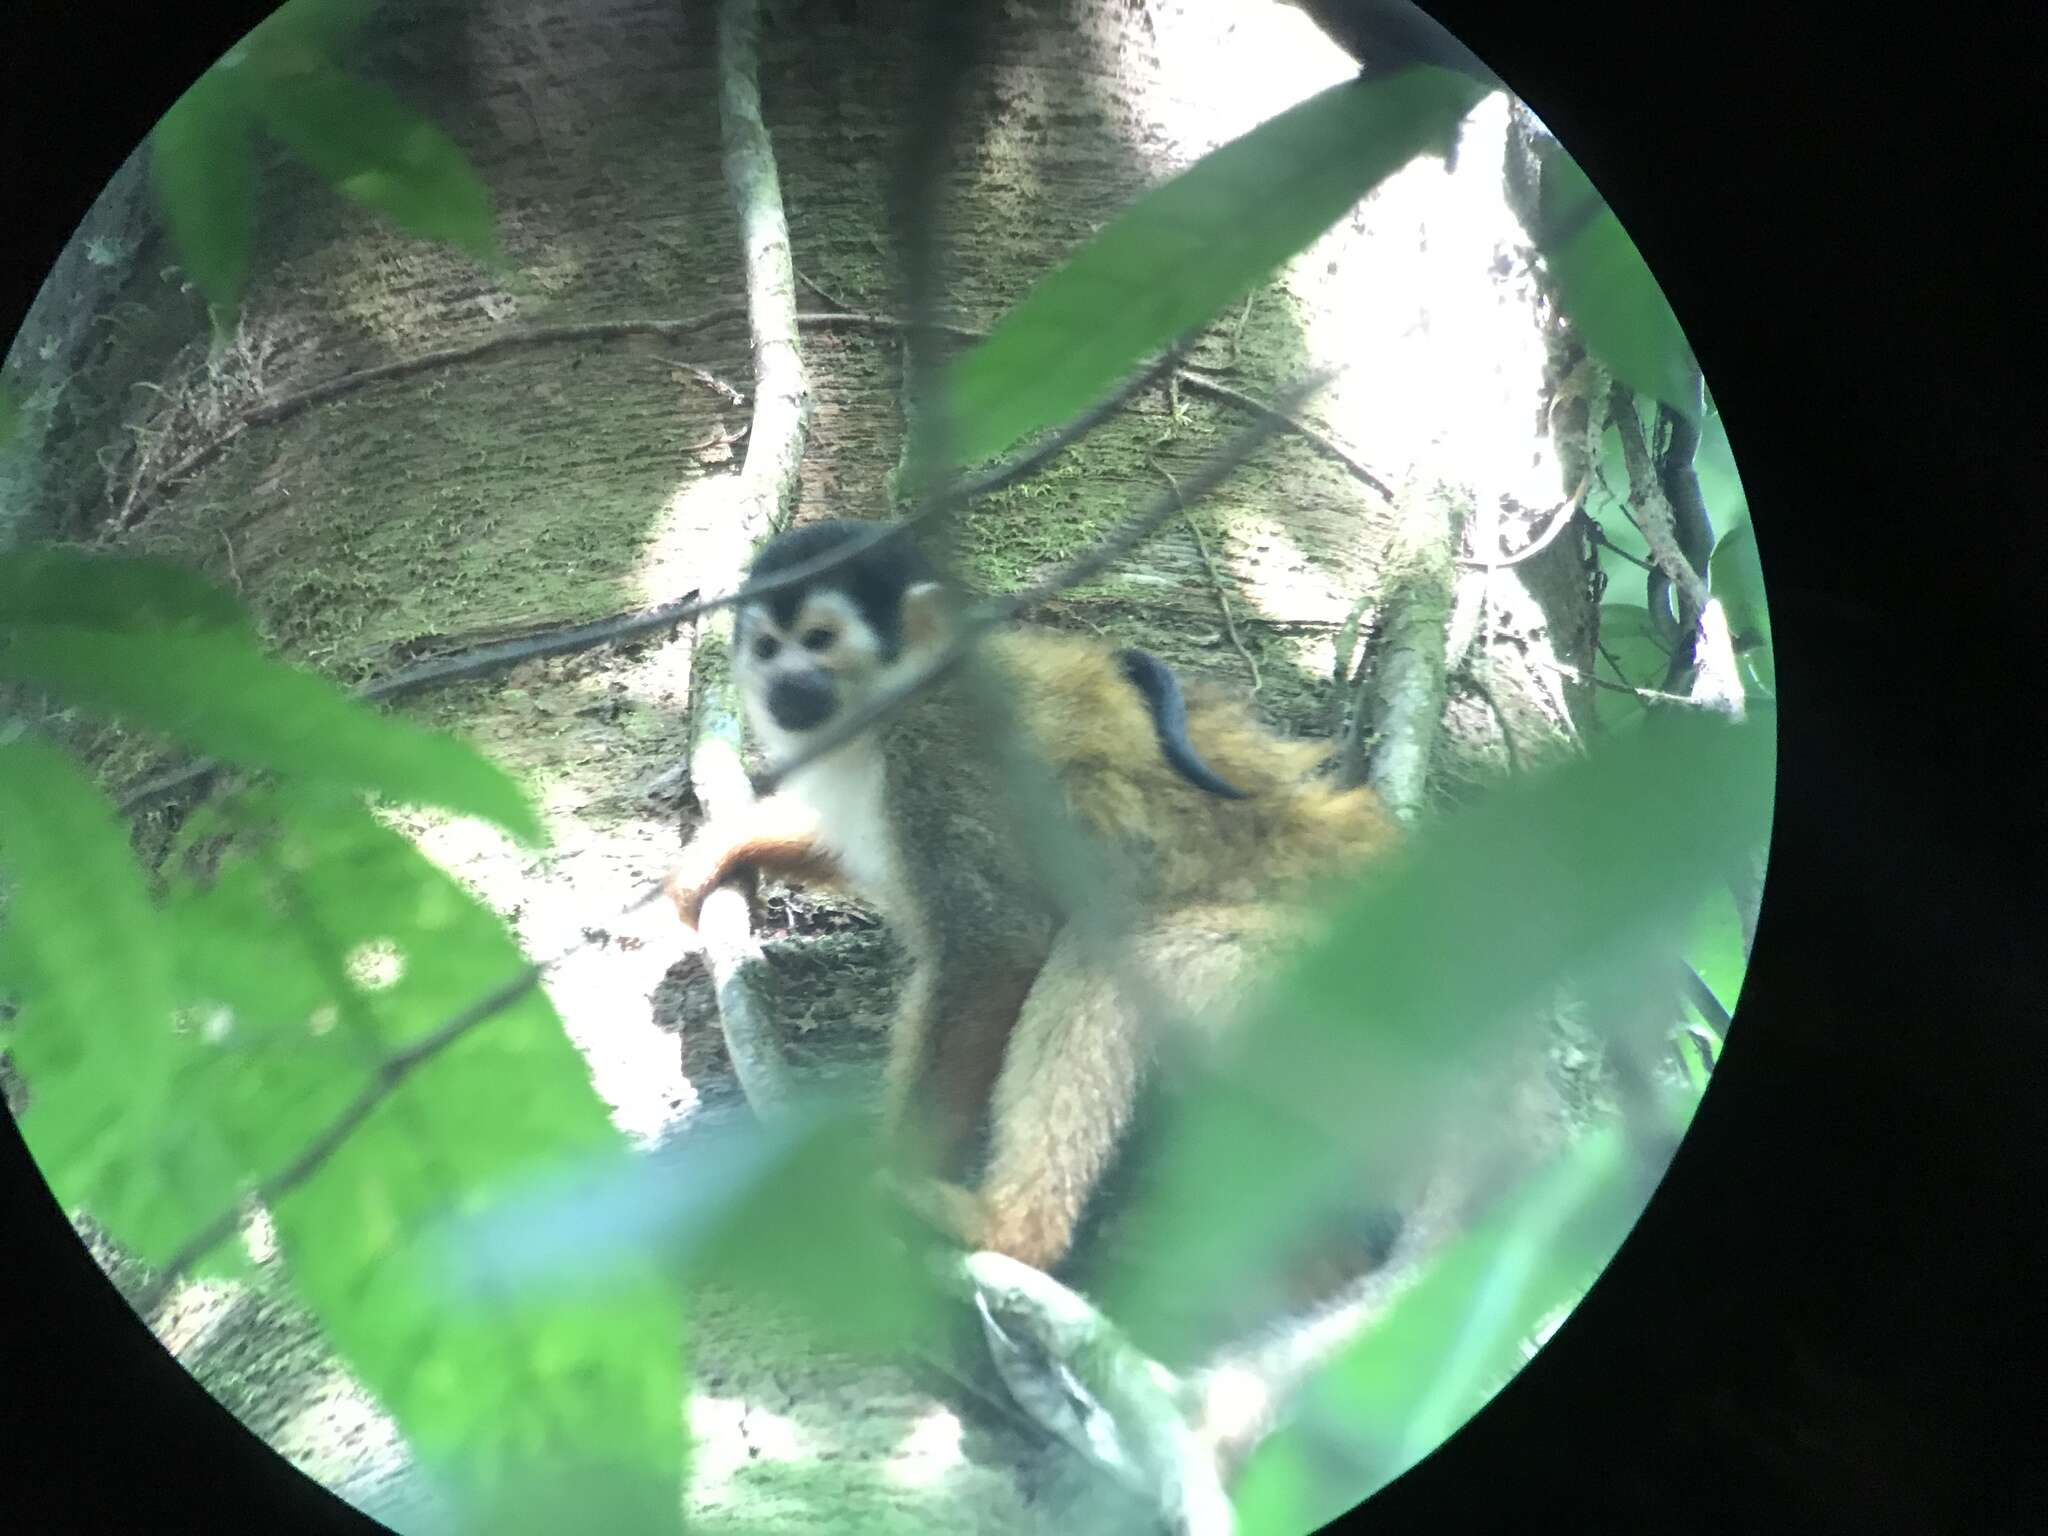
x: 817, y: 639
x: 765, y: 647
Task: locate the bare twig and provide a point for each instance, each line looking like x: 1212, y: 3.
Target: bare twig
x: 1702, y: 997
x: 819, y: 290
x: 480, y: 662
x: 1216, y: 389
x: 282, y: 408
x: 1648, y: 695
x: 1237, y: 330
x: 1216, y: 583
x: 707, y: 378
x: 1559, y: 521
x: 1222, y: 592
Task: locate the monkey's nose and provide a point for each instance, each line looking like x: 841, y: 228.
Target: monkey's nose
x: 802, y: 700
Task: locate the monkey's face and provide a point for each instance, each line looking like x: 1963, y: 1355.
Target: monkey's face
x: 801, y: 665
x: 809, y: 654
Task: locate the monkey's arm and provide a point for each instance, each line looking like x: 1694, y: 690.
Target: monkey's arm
x: 776, y: 836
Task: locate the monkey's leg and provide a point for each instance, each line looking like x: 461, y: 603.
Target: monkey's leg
x: 1076, y: 1062
x: 945, y: 1051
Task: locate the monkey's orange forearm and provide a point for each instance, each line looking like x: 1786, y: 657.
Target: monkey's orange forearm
x: 714, y: 859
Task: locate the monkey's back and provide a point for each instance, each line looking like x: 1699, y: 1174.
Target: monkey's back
x: 1096, y: 734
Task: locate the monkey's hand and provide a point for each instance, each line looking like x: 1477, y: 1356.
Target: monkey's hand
x: 774, y: 836
x: 712, y: 858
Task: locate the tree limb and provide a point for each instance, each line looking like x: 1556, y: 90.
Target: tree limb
x: 767, y: 492
x: 1403, y: 699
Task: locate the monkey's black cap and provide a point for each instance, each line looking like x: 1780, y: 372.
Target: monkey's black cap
x: 875, y: 579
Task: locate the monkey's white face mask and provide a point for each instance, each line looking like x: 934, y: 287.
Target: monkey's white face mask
x: 797, y: 678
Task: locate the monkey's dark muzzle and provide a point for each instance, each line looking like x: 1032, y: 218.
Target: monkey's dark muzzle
x: 803, y: 701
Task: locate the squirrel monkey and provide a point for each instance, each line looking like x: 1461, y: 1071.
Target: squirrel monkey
x: 1012, y: 1025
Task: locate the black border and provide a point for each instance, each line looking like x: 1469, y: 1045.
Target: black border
x: 1814, y: 1326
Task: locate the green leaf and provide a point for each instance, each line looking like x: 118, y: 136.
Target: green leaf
x: 92, y: 969
x: 204, y: 170
x: 813, y: 1241
x: 1625, y: 621
x: 1447, y: 1343
x: 1715, y: 950
x: 1630, y: 654
x: 49, y: 584
x: 1608, y: 294
x: 1720, y: 484
x: 1430, y: 967
x: 1735, y: 576
x: 216, y: 692
x: 371, y: 147
x: 332, y: 942
x: 1190, y: 247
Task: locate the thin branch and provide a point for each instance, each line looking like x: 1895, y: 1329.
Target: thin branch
x: 481, y: 662
x: 832, y: 299
x: 286, y: 406
x: 707, y: 378
x: 988, y: 615
x: 1560, y: 520
x: 389, y: 1074
x: 1216, y: 389
x: 1702, y: 997
x: 1648, y: 695
x: 1216, y: 583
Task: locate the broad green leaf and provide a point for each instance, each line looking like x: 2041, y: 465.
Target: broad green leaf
x: 1715, y: 950
x: 1720, y: 484
x: 814, y: 1242
x: 92, y: 970
x: 371, y: 147
x: 1608, y: 294
x: 1737, y: 579
x: 331, y: 942
x: 1190, y: 247
x: 1380, y: 1031
x: 1631, y: 657
x: 1625, y: 621
x: 204, y: 169
x: 49, y: 584
x: 1439, y: 1352
x: 216, y: 692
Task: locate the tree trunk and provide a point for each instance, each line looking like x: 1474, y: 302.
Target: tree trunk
x: 542, y: 484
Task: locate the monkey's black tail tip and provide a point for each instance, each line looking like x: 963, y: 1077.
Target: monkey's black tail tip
x: 1155, y: 680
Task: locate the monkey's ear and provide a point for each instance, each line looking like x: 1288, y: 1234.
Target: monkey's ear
x: 927, y: 617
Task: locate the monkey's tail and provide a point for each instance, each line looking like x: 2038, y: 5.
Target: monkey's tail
x: 1155, y: 680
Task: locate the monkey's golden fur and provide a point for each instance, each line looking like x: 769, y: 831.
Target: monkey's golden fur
x: 1012, y: 1021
